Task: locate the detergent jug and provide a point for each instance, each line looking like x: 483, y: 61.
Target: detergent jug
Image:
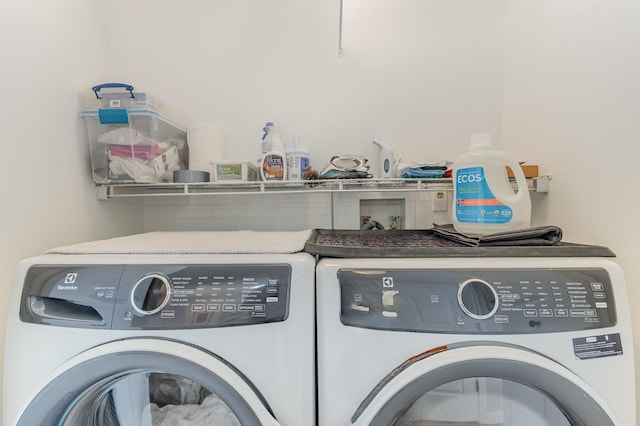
x: 484, y: 200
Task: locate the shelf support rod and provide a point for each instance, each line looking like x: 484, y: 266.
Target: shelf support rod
x: 340, y: 32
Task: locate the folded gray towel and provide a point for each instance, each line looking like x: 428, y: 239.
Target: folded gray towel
x: 536, y: 236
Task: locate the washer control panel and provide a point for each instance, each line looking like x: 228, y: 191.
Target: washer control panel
x: 477, y: 301
x: 159, y: 297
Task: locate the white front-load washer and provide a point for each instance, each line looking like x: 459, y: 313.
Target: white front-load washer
x: 474, y: 341
x: 147, y: 339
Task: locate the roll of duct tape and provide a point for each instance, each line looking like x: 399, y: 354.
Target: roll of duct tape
x: 190, y: 176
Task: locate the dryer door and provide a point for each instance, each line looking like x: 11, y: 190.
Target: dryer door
x: 499, y: 385
x: 145, y: 382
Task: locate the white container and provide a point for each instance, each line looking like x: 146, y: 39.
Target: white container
x: 387, y: 161
x: 234, y: 171
x: 206, y: 144
x: 484, y: 201
x: 297, y: 158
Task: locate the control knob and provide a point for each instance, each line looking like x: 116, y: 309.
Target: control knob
x: 477, y: 298
x: 151, y: 294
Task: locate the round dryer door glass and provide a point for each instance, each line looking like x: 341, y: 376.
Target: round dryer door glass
x: 149, y: 398
x: 481, y: 385
x: 483, y: 401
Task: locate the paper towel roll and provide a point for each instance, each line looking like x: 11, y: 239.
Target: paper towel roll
x: 206, y: 144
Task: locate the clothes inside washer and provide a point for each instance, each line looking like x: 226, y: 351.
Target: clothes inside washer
x: 178, y: 401
x: 212, y: 411
x: 159, y: 399
x: 171, y: 389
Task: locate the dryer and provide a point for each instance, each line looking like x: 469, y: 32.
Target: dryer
x: 491, y: 341
x: 154, y: 336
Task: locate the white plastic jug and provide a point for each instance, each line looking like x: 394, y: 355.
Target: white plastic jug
x: 484, y: 201
x: 297, y: 158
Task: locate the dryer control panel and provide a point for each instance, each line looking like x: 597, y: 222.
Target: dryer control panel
x: 161, y: 297
x: 477, y: 301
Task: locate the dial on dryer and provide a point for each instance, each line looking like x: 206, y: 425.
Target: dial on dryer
x: 477, y: 298
x: 151, y: 294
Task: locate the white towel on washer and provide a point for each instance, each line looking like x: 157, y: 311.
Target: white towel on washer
x: 194, y: 242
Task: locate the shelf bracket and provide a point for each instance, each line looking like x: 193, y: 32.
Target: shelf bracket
x: 102, y: 192
x: 340, y: 32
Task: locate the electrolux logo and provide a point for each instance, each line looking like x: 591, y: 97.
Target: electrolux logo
x: 68, y: 281
x: 67, y: 287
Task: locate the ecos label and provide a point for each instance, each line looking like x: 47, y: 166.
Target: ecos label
x: 475, y: 203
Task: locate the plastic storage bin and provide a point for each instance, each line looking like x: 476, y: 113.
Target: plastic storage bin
x: 130, y: 140
x: 234, y: 171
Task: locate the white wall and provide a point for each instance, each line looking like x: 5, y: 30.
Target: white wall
x: 572, y: 104
x: 50, y: 52
x: 421, y: 75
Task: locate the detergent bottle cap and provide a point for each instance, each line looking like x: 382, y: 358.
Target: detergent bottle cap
x: 295, y: 144
x: 480, y: 141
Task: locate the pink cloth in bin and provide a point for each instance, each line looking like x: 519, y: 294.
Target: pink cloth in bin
x: 142, y: 152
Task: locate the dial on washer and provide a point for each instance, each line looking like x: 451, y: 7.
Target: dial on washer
x: 477, y: 298
x: 151, y: 294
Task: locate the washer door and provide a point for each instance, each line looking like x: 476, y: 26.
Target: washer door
x: 505, y: 383
x: 145, y: 382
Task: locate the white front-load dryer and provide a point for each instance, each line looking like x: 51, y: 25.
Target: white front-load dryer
x: 149, y: 339
x: 490, y: 341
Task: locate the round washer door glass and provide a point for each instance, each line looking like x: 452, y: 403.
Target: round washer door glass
x: 147, y: 382
x: 149, y: 398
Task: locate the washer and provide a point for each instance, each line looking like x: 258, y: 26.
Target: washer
x: 132, y: 339
x: 491, y: 341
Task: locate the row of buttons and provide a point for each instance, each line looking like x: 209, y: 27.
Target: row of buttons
x: 562, y: 313
x: 228, y: 307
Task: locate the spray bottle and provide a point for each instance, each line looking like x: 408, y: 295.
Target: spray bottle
x: 267, y: 137
x: 273, y: 164
x: 387, y: 160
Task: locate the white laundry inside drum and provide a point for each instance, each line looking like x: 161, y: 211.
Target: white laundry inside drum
x: 155, y: 399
